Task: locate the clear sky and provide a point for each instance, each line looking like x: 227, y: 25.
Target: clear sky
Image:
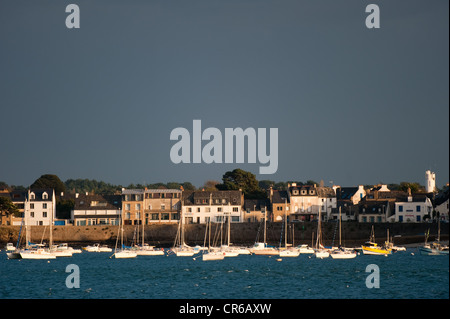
x: 352, y: 105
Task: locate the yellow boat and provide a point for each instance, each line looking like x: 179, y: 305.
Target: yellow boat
x: 372, y: 248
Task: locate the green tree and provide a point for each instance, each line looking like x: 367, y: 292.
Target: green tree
x: 8, y: 207
x: 240, y: 179
x: 49, y: 181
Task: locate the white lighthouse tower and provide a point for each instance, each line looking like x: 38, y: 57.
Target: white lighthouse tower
x: 430, y: 181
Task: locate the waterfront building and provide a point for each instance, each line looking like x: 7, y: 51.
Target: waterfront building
x: 162, y: 205
x: 216, y: 206
x: 255, y: 210
x: 132, y: 206
x: 374, y: 211
x: 280, y: 205
x: 307, y: 200
x: 40, y: 207
x: 441, y: 204
x: 95, y: 209
x: 413, y: 209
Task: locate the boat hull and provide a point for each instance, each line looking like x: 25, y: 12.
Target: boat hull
x: 322, y: 254
x: 432, y: 252
x: 36, y: 254
x: 343, y: 255
x: 125, y: 254
x: 213, y: 256
x: 150, y: 252
x: 289, y: 253
x: 375, y: 251
x: 266, y: 252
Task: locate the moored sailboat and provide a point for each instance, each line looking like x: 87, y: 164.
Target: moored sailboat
x: 341, y: 252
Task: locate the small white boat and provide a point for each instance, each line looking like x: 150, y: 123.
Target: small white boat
x: 62, y: 250
x: 125, y: 253
x: 97, y: 248
x: 322, y: 253
x: 343, y: 253
x: 305, y: 249
x: 147, y: 250
x: 213, y: 255
x: 14, y: 254
x: 10, y: 247
x: 184, y: 251
x: 38, y: 253
x: 290, y: 252
x: 263, y: 249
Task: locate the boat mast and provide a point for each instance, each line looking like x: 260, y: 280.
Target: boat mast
x: 285, y: 224
x: 265, y: 219
x: 340, y: 226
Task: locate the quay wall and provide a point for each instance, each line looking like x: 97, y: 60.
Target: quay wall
x: 164, y: 234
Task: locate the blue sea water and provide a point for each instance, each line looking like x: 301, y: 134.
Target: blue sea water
x: 403, y: 275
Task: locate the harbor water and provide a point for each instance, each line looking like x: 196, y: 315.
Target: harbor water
x: 402, y: 275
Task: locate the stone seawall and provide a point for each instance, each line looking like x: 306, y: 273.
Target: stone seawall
x: 241, y: 234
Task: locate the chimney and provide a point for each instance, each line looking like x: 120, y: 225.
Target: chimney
x: 410, y: 199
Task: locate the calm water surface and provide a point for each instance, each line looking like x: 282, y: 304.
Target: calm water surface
x: 402, y: 275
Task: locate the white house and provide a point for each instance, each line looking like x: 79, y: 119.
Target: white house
x: 203, y: 206
x: 413, y: 209
x: 40, y: 207
x: 306, y: 201
x: 441, y: 203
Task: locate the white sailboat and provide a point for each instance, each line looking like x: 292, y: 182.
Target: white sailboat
x: 122, y: 252
x: 37, y: 251
x: 288, y: 251
x: 145, y: 249
x: 262, y: 248
x: 341, y: 252
x: 320, y: 251
x: 435, y: 248
x: 180, y: 249
x: 228, y: 250
x: 211, y: 254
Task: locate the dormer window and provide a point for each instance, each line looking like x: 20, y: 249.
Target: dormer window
x: 303, y: 192
x: 32, y: 196
x: 45, y: 196
x: 295, y: 192
x: 311, y: 192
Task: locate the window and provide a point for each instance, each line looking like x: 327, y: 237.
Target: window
x: 189, y: 210
x: 418, y: 209
x: 295, y: 192
x: 400, y: 208
x: 138, y: 206
x: 44, y: 205
x: 154, y: 216
x: 31, y: 206
x: 44, y: 214
x: 235, y: 209
x: 198, y: 209
x: 208, y: 209
x: 418, y: 217
x: 45, y: 196
x: 219, y: 209
x: 32, y: 196
x: 163, y: 206
x: 31, y: 214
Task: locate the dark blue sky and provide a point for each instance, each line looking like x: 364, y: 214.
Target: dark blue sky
x: 352, y: 105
